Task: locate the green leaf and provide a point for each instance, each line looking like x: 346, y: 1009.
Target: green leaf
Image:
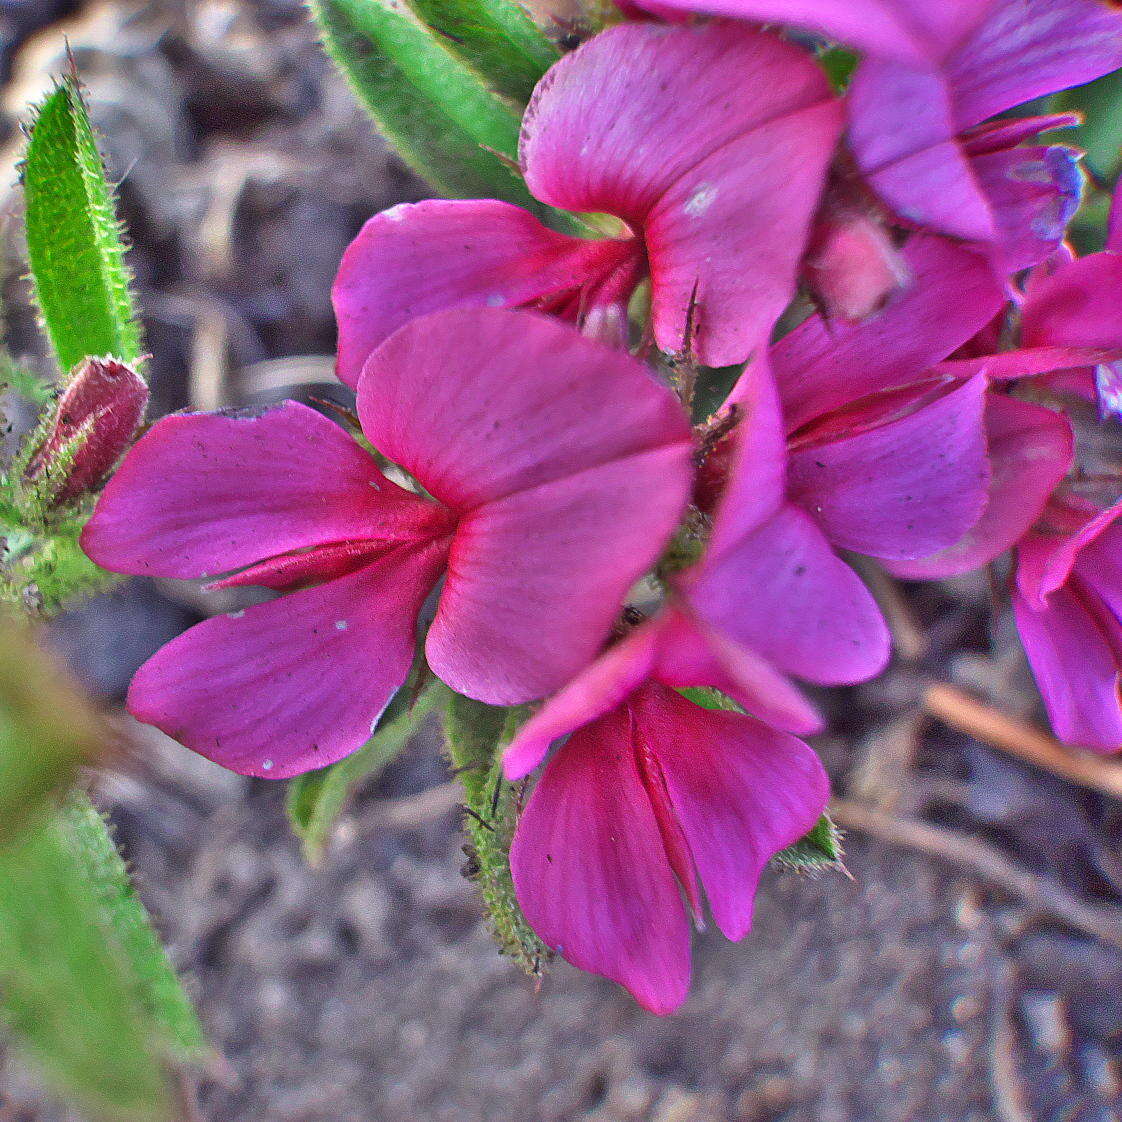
x: 69, y: 997
x: 316, y: 800
x: 74, y: 240
x: 1101, y: 132
x: 157, y: 987
x: 428, y: 103
x: 46, y: 729
x: 496, y: 38
x: 475, y: 735
x: 819, y: 849
x: 85, y: 985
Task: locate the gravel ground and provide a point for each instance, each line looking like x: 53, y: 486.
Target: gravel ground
x: 923, y: 989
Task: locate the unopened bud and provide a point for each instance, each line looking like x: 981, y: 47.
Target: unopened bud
x: 94, y: 421
x: 852, y: 266
x: 1108, y: 386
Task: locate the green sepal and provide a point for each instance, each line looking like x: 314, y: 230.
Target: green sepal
x: 818, y: 850
x: 475, y: 735
x: 839, y: 65
x: 709, y: 698
x: 496, y: 38
x: 74, y: 241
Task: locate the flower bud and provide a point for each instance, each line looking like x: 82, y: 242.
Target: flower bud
x: 94, y: 421
x: 1108, y: 386
x: 852, y: 266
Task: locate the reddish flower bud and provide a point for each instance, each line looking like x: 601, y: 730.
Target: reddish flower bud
x: 852, y: 266
x: 94, y: 421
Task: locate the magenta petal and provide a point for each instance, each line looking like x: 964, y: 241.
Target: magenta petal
x: 914, y: 30
x: 757, y: 479
x: 423, y: 257
x: 1076, y: 669
x: 741, y: 792
x: 902, y: 131
x: 820, y: 367
x: 1044, y: 562
x: 1028, y: 48
x: 1100, y: 568
x: 1010, y: 366
x: 782, y: 592
x: 903, y: 489
x: 591, y: 873
x: 202, y: 494
x: 710, y: 141
x: 1008, y: 132
x: 1077, y: 306
x: 296, y: 683
x: 481, y: 403
x: 1033, y: 193
x: 691, y: 654
x: 536, y: 580
x: 601, y: 687
x: 1030, y: 451
x: 731, y: 229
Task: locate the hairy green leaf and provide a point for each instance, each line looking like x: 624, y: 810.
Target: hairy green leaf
x: 430, y: 105
x: 496, y: 38
x: 74, y: 240
x: 45, y: 573
x: 156, y: 984
x: 24, y: 381
x: 475, y: 735
x: 46, y: 729
x: 69, y: 997
x: 316, y: 800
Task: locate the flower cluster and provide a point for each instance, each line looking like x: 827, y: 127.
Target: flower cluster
x: 558, y: 518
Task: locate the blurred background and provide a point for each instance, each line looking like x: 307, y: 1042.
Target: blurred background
x: 969, y: 969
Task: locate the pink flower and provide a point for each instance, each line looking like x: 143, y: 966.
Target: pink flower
x: 852, y: 266
x: 914, y: 31
x: 650, y: 795
x: 710, y: 144
x: 1073, y: 307
x: 891, y: 364
x: 558, y: 468
x: 625, y: 814
x: 897, y: 475
x: 1068, y: 604
x: 914, y: 128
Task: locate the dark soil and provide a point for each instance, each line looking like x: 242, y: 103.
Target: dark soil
x: 369, y: 990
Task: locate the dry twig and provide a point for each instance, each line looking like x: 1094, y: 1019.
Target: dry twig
x: 986, y: 863
x: 984, y: 723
